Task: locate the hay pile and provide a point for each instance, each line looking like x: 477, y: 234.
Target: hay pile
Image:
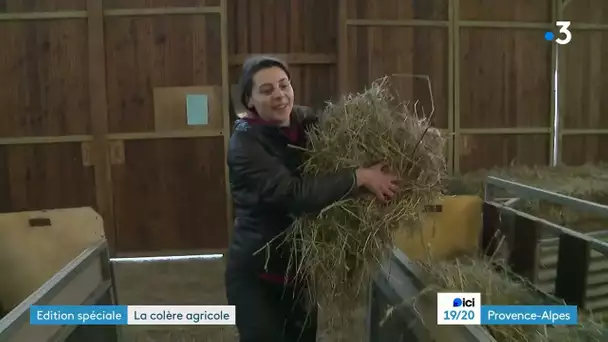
x: 588, y: 182
x: 340, y: 246
x: 472, y: 274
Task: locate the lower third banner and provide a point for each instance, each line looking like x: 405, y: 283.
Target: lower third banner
x: 529, y: 314
x: 132, y: 315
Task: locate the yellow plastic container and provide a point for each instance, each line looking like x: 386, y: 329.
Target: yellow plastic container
x: 453, y: 230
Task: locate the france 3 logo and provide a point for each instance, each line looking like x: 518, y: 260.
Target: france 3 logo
x: 458, y: 308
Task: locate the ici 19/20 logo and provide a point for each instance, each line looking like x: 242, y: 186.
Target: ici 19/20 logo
x: 463, y: 303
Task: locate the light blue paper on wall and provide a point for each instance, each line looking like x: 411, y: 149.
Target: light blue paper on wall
x: 197, y: 109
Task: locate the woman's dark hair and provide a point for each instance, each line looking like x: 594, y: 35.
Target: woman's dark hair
x: 251, y: 66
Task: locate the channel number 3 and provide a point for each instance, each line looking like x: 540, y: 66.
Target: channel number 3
x: 565, y: 32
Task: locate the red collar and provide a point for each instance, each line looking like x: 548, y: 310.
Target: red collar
x: 293, y: 132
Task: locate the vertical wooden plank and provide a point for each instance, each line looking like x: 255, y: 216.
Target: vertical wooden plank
x: 559, y: 14
x: 342, y: 47
x: 572, y: 268
x: 490, y: 229
x: 99, y: 118
x: 451, y: 86
x: 226, y: 107
x: 524, y: 253
x: 256, y: 38
x: 457, y: 60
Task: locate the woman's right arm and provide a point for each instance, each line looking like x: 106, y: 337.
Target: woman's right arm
x: 276, y: 185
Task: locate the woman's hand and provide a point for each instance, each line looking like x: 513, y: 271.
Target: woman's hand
x: 380, y: 183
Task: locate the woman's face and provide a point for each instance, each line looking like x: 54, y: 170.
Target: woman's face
x: 272, y: 95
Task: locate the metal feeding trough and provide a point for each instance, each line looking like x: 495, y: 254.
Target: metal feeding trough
x: 392, y: 317
x: 59, y: 257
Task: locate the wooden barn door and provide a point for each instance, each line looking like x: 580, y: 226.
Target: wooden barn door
x: 167, y: 109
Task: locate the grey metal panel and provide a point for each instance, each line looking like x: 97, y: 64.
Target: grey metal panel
x: 530, y: 192
x: 96, y: 333
x: 396, y: 284
x: 104, y: 293
x: 596, y: 244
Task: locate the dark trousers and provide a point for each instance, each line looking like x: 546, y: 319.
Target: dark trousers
x: 269, y: 312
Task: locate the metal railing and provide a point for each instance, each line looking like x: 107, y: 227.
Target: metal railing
x: 523, y: 233
x: 398, y: 282
x: 17, y: 320
x: 392, y: 317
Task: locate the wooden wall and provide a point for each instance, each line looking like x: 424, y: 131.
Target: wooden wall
x: 583, y: 84
x: 80, y: 81
x: 303, y: 32
x: 82, y: 84
x: 406, y: 40
x: 492, y: 73
x: 503, y: 84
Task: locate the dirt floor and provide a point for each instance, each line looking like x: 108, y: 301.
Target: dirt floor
x: 191, y: 282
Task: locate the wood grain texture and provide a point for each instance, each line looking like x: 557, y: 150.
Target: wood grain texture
x: 398, y: 9
x: 578, y: 150
x: 505, y: 78
x: 513, y: 11
x: 170, y: 195
x: 163, y: 51
x: 586, y: 11
x: 289, y: 27
x: 488, y: 151
x: 389, y: 51
x: 12, y: 6
x: 44, y: 176
x: 120, y: 4
x: 44, y: 87
x: 584, y: 81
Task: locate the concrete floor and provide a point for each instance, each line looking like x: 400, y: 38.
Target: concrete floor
x: 191, y: 282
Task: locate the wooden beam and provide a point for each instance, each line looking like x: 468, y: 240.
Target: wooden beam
x: 226, y: 98
x: 99, y: 119
x: 342, y: 47
x: 130, y: 12
x: 456, y: 51
x: 45, y: 140
x: 505, y: 130
x: 290, y: 58
x: 572, y: 270
x: 402, y: 23
x: 597, y: 131
x: 114, y: 136
x: 166, y: 135
x: 523, y: 256
x: 452, y: 58
x: 43, y: 15
x: 491, y: 233
x: 589, y: 27
x: 506, y: 24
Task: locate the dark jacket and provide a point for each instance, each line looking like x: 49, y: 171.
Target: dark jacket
x: 269, y: 192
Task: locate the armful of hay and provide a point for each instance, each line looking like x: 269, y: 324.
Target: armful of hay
x: 276, y: 186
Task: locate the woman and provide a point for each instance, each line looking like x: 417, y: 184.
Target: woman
x: 268, y: 193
